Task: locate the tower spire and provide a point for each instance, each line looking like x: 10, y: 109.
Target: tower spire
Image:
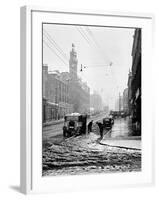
x: 73, y: 62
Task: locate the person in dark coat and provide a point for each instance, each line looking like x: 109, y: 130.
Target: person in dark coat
x: 90, y: 126
x: 100, y: 125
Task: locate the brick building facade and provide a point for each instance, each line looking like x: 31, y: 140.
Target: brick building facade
x: 64, y: 92
x: 55, y: 95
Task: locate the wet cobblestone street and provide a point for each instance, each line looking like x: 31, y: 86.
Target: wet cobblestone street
x: 87, y: 154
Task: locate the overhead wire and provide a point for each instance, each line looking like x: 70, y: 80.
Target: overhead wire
x: 88, y: 33
x: 85, y: 34
x: 55, y: 45
x: 85, y: 38
x: 98, y: 46
x: 53, y: 51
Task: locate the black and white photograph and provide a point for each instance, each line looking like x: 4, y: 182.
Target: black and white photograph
x: 91, y: 99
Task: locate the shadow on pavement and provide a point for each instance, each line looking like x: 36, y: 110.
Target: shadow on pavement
x: 15, y: 188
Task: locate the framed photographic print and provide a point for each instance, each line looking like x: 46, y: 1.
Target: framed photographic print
x: 86, y: 100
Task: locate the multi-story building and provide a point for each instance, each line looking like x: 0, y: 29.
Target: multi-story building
x: 125, y: 101
x: 119, y: 103
x: 64, y: 92
x: 136, y: 78
x: 55, y: 95
x: 129, y: 93
x: 78, y: 90
x: 134, y: 81
x: 96, y: 102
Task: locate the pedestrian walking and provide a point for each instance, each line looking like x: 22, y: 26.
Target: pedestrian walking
x: 100, y: 125
x: 90, y: 126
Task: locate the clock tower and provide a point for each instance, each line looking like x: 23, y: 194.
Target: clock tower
x: 73, y: 63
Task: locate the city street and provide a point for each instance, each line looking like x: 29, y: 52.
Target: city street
x: 90, y: 73
x: 56, y: 129
x: 117, y: 151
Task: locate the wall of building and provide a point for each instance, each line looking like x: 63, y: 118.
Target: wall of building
x: 96, y: 102
x: 55, y: 96
x: 125, y: 101
x: 64, y: 92
x: 134, y: 82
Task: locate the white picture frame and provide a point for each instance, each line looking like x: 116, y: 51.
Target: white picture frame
x: 31, y: 100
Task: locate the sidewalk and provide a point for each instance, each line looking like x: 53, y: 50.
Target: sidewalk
x: 53, y: 122
x: 121, y: 135
x: 123, y: 143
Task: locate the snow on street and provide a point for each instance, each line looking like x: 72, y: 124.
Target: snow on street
x: 91, y: 154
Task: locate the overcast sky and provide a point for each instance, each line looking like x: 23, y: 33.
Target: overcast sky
x: 96, y: 48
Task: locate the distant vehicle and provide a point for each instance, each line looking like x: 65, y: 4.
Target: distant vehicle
x: 107, y: 123
x: 122, y: 114
x: 115, y: 114
x: 74, y: 124
x: 119, y: 114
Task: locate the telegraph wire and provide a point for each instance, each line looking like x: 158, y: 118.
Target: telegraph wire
x: 87, y: 35
x: 79, y: 30
x: 54, y: 52
x: 95, y: 42
x: 87, y: 66
x: 54, y: 46
x: 90, y: 41
x: 83, y: 32
x: 54, y: 43
x: 63, y: 56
